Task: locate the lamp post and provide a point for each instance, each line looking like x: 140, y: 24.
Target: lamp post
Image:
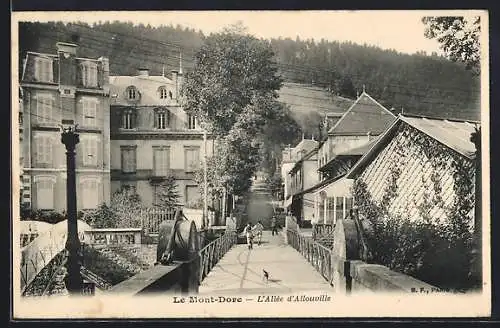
x: 73, y: 279
x: 205, y: 178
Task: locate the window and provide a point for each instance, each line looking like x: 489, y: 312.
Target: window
x: 192, y: 158
x: 43, y: 146
x: 90, y: 193
x: 43, y: 69
x: 89, y: 74
x: 191, y: 122
x: 161, y: 161
x: 89, y: 112
x: 45, y: 193
x: 127, y: 120
x: 161, y: 119
x: 44, y: 108
x: 128, y: 159
x: 192, y: 194
x: 163, y: 93
x: 90, y: 150
x: 132, y: 93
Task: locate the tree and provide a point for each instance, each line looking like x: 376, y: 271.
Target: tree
x: 167, y: 193
x: 231, y: 71
x: 458, y: 36
x: 127, y: 206
x: 232, y: 90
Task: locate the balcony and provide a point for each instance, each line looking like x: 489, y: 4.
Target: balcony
x: 149, y: 174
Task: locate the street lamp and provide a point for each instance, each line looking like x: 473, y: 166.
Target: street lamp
x: 73, y: 279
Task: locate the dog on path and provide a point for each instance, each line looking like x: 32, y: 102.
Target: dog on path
x: 265, y: 275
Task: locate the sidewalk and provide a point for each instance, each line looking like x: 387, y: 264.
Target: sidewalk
x: 240, y: 270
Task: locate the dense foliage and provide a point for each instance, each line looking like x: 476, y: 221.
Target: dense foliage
x: 124, y: 211
x: 423, y: 83
x: 232, y: 91
x: 167, y: 193
x: 459, y: 38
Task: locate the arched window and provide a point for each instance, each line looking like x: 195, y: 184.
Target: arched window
x: 132, y: 93
x: 128, y: 119
x: 163, y: 92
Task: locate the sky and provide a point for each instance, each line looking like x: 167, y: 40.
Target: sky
x: 401, y: 30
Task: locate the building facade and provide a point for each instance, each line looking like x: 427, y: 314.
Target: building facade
x: 347, y: 140
x: 64, y: 88
x: 152, y: 137
x: 432, y: 162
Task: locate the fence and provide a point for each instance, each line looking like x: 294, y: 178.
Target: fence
x: 213, y: 252
x: 319, y: 256
x: 152, y: 217
x: 40, y: 252
x: 320, y: 230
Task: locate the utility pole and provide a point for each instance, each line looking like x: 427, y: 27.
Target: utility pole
x: 205, y: 178
x: 73, y: 279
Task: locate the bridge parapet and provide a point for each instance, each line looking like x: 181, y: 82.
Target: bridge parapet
x: 343, y: 265
x: 181, y: 265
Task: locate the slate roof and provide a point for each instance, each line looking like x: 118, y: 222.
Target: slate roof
x: 453, y: 134
x: 147, y: 87
x: 366, y: 115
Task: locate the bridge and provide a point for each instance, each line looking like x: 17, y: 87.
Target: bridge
x: 331, y: 259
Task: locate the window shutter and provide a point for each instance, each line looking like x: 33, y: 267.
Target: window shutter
x: 98, y: 153
x: 80, y: 111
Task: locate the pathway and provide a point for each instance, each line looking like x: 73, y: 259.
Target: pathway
x: 240, y: 270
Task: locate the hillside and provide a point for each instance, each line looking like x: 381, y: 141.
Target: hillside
x: 420, y: 84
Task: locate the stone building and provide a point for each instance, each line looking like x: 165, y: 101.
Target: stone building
x: 347, y: 140
x: 63, y: 87
x: 152, y: 137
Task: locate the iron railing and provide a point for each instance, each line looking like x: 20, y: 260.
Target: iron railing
x: 153, y: 217
x: 320, y: 230
x: 210, y: 255
x: 319, y: 256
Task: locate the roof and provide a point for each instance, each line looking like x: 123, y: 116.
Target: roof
x: 319, y: 185
x: 453, y: 134
x: 147, y: 87
x: 365, y: 115
x: 307, y: 156
x: 356, y: 151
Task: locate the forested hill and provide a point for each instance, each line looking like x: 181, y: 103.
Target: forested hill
x: 419, y: 84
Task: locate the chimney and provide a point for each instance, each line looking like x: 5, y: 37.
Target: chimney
x: 67, y: 63
x: 175, y: 79
x: 67, y: 48
x: 143, y: 72
x: 105, y: 70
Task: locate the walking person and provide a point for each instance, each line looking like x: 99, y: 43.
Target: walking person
x: 274, y: 228
x: 248, y: 232
x: 258, y: 228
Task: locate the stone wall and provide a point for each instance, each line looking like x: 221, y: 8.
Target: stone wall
x: 352, y: 275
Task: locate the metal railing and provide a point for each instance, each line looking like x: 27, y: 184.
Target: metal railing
x: 319, y: 256
x: 320, y: 230
x: 210, y: 255
x: 152, y: 217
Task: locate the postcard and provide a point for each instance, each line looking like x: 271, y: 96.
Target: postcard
x: 250, y: 164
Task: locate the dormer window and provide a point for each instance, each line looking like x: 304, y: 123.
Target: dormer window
x: 43, y: 69
x: 161, y: 118
x: 163, y: 92
x: 192, y: 122
x: 89, y: 74
x: 132, y: 93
